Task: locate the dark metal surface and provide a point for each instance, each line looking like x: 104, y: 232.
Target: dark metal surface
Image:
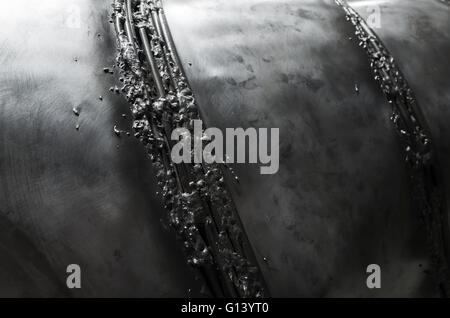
x: 416, y: 141
x: 340, y: 201
x: 416, y: 34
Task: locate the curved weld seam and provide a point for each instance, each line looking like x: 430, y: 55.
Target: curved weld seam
x: 206, y: 273
x: 416, y: 138
x: 234, y: 278
x: 161, y: 92
x: 162, y: 26
x: 246, y: 248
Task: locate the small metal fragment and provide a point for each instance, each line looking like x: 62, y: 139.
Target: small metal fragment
x: 116, y: 131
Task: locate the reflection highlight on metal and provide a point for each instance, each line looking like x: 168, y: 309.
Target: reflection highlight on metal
x: 200, y: 208
x: 416, y: 141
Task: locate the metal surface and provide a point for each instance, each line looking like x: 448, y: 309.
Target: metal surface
x: 66, y: 196
x: 416, y: 140
x: 416, y: 34
x: 340, y: 201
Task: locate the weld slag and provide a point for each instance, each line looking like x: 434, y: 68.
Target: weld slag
x: 415, y: 139
x: 200, y: 209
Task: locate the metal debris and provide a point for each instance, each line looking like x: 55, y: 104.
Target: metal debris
x: 117, y: 131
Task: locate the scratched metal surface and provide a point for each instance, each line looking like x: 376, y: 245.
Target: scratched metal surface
x: 340, y: 200
x: 69, y: 196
